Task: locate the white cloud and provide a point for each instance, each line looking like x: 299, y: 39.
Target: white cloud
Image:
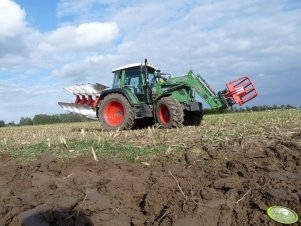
x: 24, y: 48
x: 12, y: 30
x: 31, y: 99
x: 89, y: 70
x: 10, y: 62
x: 86, y: 36
x: 12, y: 19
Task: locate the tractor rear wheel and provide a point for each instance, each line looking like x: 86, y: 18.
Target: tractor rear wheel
x: 169, y: 113
x: 116, y: 112
x: 193, y: 118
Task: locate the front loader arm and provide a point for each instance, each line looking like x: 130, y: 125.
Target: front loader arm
x: 197, y: 84
x: 238, y: 91
x: 201, y: 87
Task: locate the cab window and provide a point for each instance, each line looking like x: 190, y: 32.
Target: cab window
x: 151, y: 77
x: 133, y: 77
x: 116, y: 81
x: 133, y: 80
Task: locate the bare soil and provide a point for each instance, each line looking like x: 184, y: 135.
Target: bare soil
x: 221, y: 185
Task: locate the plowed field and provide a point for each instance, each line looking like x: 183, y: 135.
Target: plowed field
x: 226, y: 172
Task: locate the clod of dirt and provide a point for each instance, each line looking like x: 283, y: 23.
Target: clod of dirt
x: 40, y: 179
x: 195, y: 154
x: 260, y: 205
x: 96, y: 201
x: 228, y: 183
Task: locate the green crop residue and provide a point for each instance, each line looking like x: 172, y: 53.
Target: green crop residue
x: 73, y: 148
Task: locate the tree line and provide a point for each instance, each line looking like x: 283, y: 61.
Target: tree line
x: 43, y: 119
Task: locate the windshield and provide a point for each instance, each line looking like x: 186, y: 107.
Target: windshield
x: 133, y: 77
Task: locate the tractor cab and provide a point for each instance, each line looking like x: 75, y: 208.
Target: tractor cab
x: 136, y: 78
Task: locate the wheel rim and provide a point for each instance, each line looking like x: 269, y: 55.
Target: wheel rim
x: 114, y: 113
x: 164, y: 115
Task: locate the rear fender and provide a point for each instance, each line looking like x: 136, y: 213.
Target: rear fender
x: 132, y: 99
x: 141, y: 110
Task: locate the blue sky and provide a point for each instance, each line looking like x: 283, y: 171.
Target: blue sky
x: 47, y: 45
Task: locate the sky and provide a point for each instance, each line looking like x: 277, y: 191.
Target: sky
x: 48, y: 45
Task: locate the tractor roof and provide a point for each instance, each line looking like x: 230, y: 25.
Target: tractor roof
x: 134, y: 65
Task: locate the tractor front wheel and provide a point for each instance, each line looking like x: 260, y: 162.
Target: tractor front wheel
x: 169, y: 113
x: 116, y: 112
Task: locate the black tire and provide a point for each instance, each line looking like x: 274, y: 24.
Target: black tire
x: 193, y: 118
x: 169, y: 113
x: 116, y: 112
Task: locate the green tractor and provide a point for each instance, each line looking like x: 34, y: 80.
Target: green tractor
x: 141, y: 95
